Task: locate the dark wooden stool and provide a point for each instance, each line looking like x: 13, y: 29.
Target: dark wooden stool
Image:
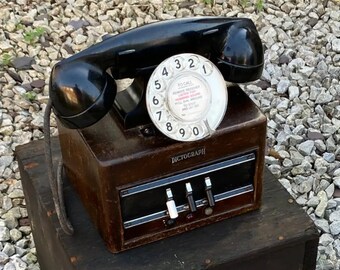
x: 279, y: 236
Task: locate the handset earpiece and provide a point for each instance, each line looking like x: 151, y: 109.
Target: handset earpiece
x: 240, y: 53
x: 81, y: 92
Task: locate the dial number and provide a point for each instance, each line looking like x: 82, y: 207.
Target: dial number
x: 183, y: 133
x: 157, y: 100
x: 158, y: 85
x: 178, y: 64
x: 168, y: 126
x: 159, y: 114
x: 165, y: 72
x: 193, y: 62
x: 206, y: 69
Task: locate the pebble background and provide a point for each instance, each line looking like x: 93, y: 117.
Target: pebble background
x: 299, y: 92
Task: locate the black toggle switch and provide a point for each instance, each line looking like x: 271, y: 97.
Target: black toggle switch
x: 210, y: 196
x: 190, y: 198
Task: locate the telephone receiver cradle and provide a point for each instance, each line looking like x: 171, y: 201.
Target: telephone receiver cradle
x: 83, y: 87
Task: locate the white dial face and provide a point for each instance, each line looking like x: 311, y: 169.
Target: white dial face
x: 186, y: 97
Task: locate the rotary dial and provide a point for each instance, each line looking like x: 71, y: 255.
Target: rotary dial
x: 186, y: 97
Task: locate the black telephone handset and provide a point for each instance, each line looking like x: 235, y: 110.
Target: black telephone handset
x: 82, y: 90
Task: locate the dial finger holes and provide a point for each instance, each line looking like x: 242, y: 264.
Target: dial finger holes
x: 157, y: 100
x: 178, y: 63
x: 206, y: 68
x: 183, y: 133
x: 192, y: 62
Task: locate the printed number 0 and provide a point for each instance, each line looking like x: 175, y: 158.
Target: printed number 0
x: 195, y: 131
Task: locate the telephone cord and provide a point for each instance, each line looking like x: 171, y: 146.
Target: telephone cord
x: 56, y: 183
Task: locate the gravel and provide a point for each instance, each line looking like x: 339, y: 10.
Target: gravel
x: 299, y: 92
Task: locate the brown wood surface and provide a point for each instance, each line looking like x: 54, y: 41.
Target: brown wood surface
x: 279, y: 236
x: 104, y: 158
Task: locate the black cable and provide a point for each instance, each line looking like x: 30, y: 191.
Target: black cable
x: 55, y: 183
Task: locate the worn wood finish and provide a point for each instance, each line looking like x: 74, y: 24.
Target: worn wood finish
x: 279, y: 236
x: 105, y: 158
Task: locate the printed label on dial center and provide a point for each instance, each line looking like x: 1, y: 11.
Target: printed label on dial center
x: 188, y: 97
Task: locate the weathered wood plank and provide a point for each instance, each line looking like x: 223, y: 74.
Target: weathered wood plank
x: 278, y: 236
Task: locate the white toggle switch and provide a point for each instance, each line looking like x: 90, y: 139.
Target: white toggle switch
x: 170, y: 204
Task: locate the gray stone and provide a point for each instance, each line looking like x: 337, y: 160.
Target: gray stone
x: 284, y: 59
x: 4, y: 258
x: 334, y: 216
x: 336, y: 181
x: 293, y: 92
x: 29, y: 258
x: 329, y: 157
x: 313, y: 202
x: 336, y: 45
x: 4, y: 234
x: 334, y: 228
x: 301, y: 200
x: 323, y: 184
x: 323, y: 97
x: 19, y: 264
x: 78, y: 24
x: 275, y: 169
x: 9, y: 249
x: 23, y: 63
x: 320, y: 145
x: 33, y: 267
x: 321, y: 208
x: 305, y: 186
x: 6, y: 203
x: 5, y: 161
x: 10, y: 221
x: 330, y: 191
x: 322, y: 224
x: 295, y: 139
x: 38, y: 83
x: 22, y: 243
x: 296, y: 157
x: 330, y: 144
x: 326, y: 239
x: 283, y: 85
x: 307, y: 71
x: 20, y: 251
x: 25, y: 229
x: 16, y: 193
x: 10, y: 266
x: 15, y: 235
x: 306, y: 147
x: 332, y: 204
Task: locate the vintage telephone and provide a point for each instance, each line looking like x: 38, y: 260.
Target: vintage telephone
x: 165, y: 155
